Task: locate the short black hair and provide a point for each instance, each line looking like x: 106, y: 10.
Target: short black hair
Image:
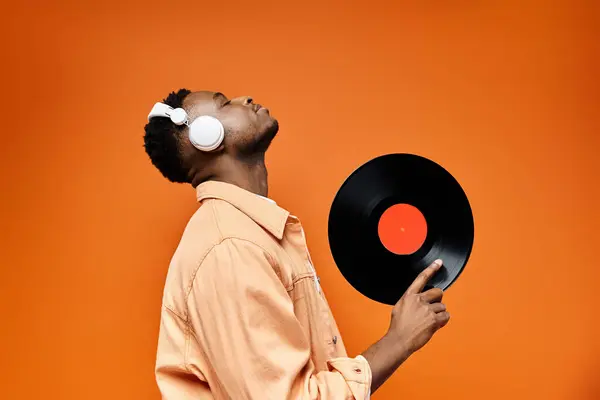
x: 162, y: 142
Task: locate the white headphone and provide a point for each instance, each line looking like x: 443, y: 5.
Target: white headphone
x: 205, y: 132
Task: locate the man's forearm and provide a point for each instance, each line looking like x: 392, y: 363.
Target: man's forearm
x: 384, y: 357
x: 415, y: 318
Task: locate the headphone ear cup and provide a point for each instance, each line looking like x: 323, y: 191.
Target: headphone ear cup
x: 206, y: 133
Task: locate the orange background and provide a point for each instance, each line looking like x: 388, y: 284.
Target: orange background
x: 502, y: 94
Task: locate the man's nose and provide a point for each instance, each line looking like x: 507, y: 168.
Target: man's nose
x: 244, y: 100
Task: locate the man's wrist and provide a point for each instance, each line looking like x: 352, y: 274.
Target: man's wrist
x: 398, y: 346
x: 385, y: 356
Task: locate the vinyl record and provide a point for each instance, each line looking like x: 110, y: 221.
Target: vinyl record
x: 393, y: 217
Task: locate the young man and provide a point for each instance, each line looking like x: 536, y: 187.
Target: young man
x: 243, y: 314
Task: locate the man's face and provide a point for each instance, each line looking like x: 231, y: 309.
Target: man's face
x: 249, y: 127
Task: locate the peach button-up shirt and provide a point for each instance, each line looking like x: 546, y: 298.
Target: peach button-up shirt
x: 243, y: 315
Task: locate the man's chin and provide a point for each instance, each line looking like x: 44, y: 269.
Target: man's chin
x: 267, y: 137
x: 273, y: 128
x: 262, y: 142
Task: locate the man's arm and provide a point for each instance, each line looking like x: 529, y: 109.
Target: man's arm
x: 415, y: 318
x: 244, y: 323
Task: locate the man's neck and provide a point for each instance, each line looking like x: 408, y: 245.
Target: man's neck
x: 250, y: 175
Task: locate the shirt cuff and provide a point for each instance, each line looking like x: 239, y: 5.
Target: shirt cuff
x: 357, y: 374
x: 368, y: 368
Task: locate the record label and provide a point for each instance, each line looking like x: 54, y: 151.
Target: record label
x: 402, y: 229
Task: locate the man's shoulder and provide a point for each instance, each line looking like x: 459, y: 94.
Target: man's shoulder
x: 216, y: 221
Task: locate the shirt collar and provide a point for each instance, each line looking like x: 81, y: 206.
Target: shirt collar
x: 262, y: 210
x: 267, y: 199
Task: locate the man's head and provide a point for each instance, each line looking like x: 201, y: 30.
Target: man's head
x: 249, y: 130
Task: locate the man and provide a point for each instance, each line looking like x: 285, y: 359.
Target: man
x: 243, y: 314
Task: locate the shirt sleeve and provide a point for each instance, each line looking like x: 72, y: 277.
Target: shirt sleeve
x: 243, y: 320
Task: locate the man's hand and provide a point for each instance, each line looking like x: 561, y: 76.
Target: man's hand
x: 417, y: 316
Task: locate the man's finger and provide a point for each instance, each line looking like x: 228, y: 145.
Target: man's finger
x: 442, y: 318
x: 421, y: 280
x: 432, y: 295
x: 437, y: 307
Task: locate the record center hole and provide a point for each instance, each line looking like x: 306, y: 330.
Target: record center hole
x: 402, y: 229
